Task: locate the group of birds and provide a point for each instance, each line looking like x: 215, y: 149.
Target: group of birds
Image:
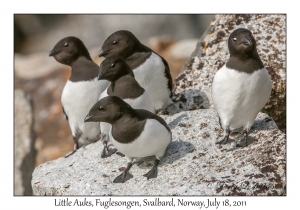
x: 133, y: 85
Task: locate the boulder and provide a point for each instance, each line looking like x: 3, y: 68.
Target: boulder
x: 193, y: 164
x: 24, y: 139
x: 193, y: 84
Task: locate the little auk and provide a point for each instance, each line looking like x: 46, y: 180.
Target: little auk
x: 123, y: 85
x: 242, y: 87
x: 134, y: 132
x: 81, y: 90
x: 150, y: 69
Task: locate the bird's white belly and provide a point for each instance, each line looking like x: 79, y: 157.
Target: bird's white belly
x: 151, y: 76
x: 77, y: 100
x: 153, y: 141
x: 238, y: 96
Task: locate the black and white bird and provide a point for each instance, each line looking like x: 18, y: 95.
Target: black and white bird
x: 134, y: 132
x: 123, y: 85
x: 151, y: 70
x: 242, y: 87
x: 81, y: 91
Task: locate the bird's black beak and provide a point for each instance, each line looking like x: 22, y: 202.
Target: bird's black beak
x: 89, y: 118
x: 53, y: 52
x: 247, y: 41
x: 103, y: 52
x: 101, y: 76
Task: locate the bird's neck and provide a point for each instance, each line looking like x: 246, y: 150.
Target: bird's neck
x: 124, y: 78
x: 127, y: 116
x: 81, y: 59
x: 84, y: 69
x: 125, y: 87
x: 244, y: 63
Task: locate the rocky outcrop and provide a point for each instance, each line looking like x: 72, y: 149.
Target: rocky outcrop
x: 193, y: 85
x: 24, y: 138
x: 193, y: 164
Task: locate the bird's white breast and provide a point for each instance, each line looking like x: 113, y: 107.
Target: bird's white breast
x: 77, y: 100
x: 238, y: 96
x: 151, y: 76
x: 153, y: 141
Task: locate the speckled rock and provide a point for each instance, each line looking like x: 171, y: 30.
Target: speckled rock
x: 24, y: 138
x: 193, y: 84
x: 193, y: 164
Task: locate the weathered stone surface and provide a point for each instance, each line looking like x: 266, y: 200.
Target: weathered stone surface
x: 193, y: 84
x: 24, y: 139
x: 193, y: 164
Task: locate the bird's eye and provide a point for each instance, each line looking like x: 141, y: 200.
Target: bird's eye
x: 112, y: 65
x: 114, y: 42
x: 234, y: 39
x: 66, y: 44
x: 101, y: 108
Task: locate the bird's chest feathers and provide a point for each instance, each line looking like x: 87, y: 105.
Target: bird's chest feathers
x: 80, y: 94
x: 236, y: 82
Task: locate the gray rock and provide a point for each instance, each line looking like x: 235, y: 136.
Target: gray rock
x: 193, y: 84
x: 193, y: 164
x: 25, y: 153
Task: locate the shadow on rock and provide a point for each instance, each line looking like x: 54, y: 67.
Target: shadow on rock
x: 175, y: 150
x: 189, y: 99
x: 263, y: 124
x: 250, y: 140
x: 176, y: 121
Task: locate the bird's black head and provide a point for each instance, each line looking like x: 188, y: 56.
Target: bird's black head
x: 243, y: 53
x: 108, y: 109
x: 241, y: 43
x: 113, y: 68
x: 68, y: 50
x: 120, y: 43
